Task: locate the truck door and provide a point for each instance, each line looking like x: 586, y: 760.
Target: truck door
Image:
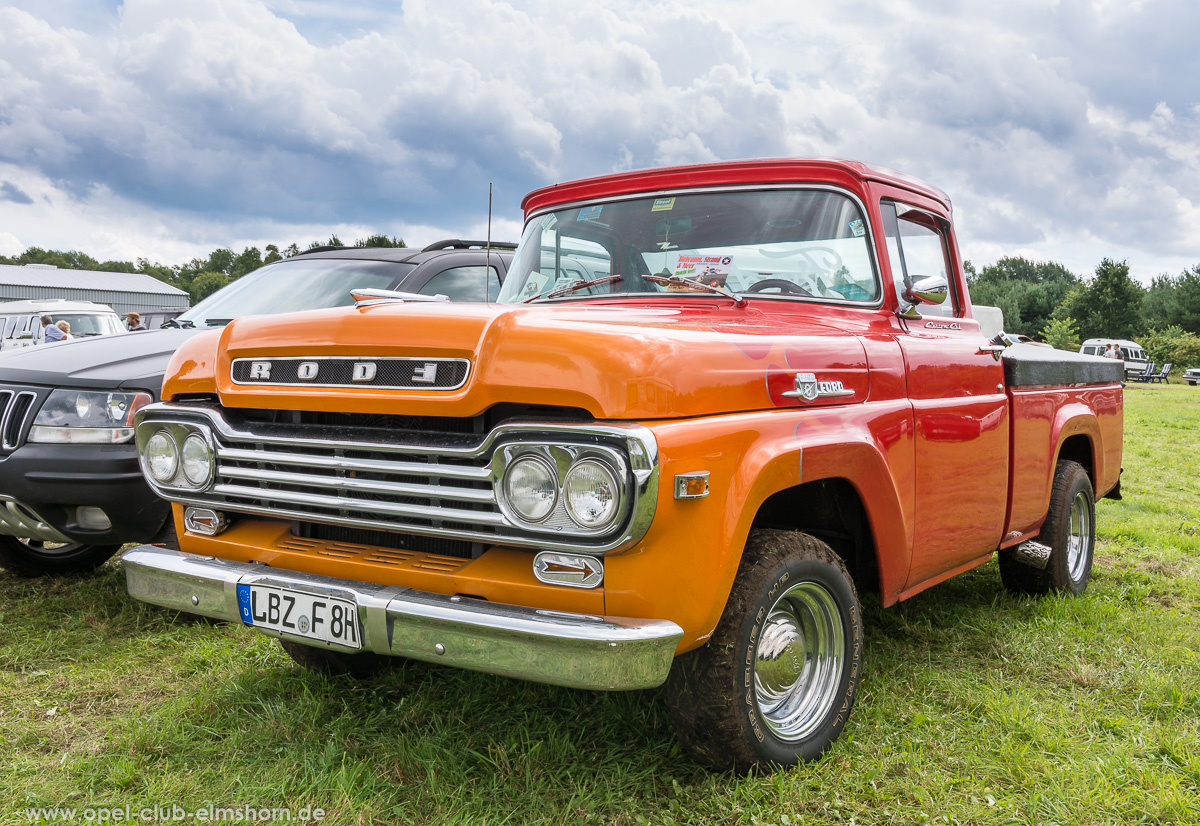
x: 960, y: 409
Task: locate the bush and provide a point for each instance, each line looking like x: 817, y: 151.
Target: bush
x: 1172, y: 346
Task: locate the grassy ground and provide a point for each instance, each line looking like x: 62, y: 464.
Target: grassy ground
x: 976, y: 707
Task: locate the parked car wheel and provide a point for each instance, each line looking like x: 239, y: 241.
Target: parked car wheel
x: 33, y: 557
x: 328, y: 661
x: 776, y: 682
x: 1069, y: 530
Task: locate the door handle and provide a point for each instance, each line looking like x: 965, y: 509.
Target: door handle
x: 994, y: 350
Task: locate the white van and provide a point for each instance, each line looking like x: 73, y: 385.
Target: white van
x: 1132, y: 353
x: 21, y: 326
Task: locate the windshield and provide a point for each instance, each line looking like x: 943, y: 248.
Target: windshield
x: 796, y: 244
x: 292, y: 285
x: 84, y: 324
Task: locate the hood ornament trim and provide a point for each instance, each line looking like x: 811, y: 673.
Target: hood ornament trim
x: 370, y: 296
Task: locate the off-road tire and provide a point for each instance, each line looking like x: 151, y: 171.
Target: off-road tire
x: 329, y: 661
x: 1066, y: 572
x: 31, y: 557
x: 713, y: 694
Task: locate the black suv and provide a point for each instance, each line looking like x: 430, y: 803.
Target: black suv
x: 71, y: 491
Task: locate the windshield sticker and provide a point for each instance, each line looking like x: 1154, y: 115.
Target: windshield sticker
x: 711, y: 269
x: 536, y: 282
x: 663, y: 205
x: 549, y: 221
x: 590, y: 213
x: 856, y: 226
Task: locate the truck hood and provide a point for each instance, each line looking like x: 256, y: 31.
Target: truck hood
x: 130, y: 361
x: 616, y: 361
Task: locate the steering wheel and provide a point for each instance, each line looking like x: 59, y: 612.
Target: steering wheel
x: 781, y: 283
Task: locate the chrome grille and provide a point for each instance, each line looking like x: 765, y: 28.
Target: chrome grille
x: 415, y: 485
x: 15, y: 408
x: 354, y: 485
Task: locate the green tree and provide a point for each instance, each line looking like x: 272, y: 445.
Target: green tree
x: 1174, y: 301
x: 205, y: 284
x: 249, y: 261
x: 380, y: 240
x: 1061, y: 333
x: 272, y: 254
x: 1109, y: 306
x: 1174, y: 346
x: 220, y: 260
x: 1027, y: 291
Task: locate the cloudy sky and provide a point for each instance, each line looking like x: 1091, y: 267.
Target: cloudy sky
x: 1064, y: 130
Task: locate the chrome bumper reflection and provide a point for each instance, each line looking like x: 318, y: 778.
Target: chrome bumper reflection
x: 576, y: 650
x: 18, y: 520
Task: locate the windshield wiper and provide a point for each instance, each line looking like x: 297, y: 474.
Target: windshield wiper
x: 574, y: 286
x: 680, y: 281
x: 216, y: 322
x: 185, y: 324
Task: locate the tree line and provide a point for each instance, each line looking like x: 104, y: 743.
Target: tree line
x: 199, y: 277
x: 1049, y: 303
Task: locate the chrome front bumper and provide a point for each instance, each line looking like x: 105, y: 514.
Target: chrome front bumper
x: 575, y: 650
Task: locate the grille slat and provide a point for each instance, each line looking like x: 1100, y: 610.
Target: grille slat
x: 374, y: 506
x: 359, y: 485
x: 430, y: 469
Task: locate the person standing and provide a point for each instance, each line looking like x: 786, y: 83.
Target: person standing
x: 133, y: 322
x: 65, y: 326
x: 49, y: 331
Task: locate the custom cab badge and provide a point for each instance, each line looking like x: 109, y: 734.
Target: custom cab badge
x: 809, y: 389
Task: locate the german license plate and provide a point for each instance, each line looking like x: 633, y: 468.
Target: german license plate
x: 316, y: 617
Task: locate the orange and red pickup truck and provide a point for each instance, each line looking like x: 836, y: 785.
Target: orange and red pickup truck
x: 712, y: 405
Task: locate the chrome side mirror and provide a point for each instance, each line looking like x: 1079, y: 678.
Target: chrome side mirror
x: 925, y: 289
x: 928, y: 289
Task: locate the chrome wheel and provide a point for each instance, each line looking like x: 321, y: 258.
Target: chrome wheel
x: 1078, y: 535
x: 798, y: 661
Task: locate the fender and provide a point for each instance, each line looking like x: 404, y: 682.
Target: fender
x: 685, y: 566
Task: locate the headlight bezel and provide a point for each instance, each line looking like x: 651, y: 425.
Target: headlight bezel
x: 179, y: 433
x: 80, y: 416
x: 562, y: 457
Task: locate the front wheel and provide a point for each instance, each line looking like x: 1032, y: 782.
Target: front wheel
x: 33, y: 557
x: 776, y: 682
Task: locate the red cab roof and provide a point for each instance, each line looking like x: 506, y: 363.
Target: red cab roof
x: 850, y: 174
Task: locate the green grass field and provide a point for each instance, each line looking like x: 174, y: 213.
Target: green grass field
x: 976, y: 707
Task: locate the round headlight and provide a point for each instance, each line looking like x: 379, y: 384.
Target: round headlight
x: 591, y: 493
x: 162, y: 456
x: 196, y: 459
x: 530, y: 488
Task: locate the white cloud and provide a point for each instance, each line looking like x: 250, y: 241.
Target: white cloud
x: 1064, y: 129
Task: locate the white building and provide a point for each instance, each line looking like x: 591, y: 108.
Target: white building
x: 123, y: 291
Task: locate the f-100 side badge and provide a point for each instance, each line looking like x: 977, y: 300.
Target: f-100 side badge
x: 808, y: 389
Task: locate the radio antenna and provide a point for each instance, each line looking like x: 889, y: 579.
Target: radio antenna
x: 487, y: 271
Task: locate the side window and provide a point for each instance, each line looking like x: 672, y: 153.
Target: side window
x: 464, y: 284
x: 916, y: 246
x: 6, y: 326
x: 1089, y: 351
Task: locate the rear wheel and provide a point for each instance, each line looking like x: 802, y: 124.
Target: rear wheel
x: 775, y: 683
x: 1069, y: 530
x: 33, y: 557
x: 330, y: 661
